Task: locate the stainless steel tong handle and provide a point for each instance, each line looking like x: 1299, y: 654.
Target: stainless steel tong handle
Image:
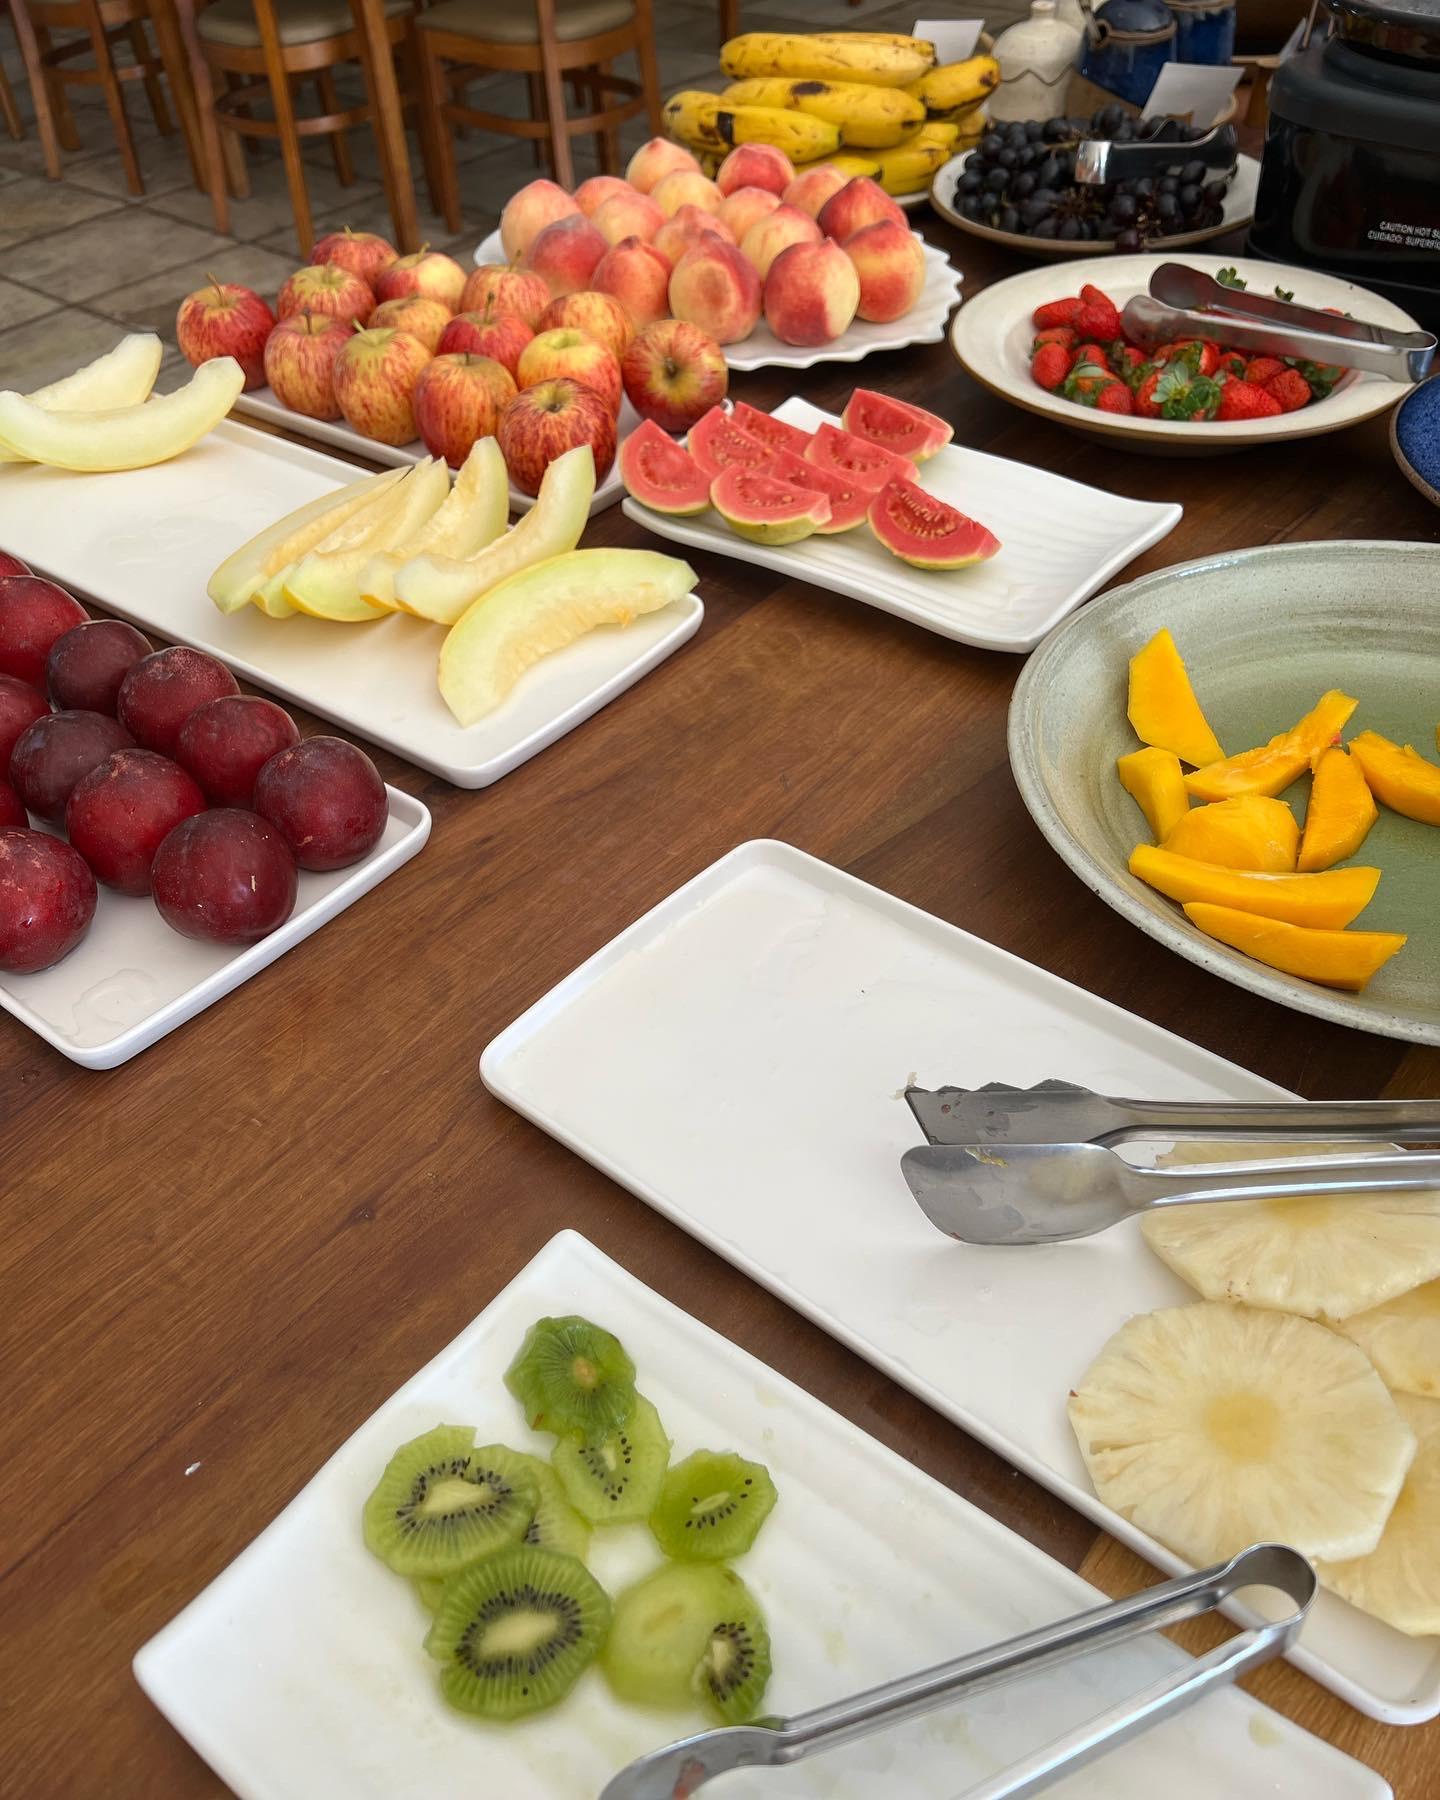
x: 1102, y: 159
x: 679, y: 1770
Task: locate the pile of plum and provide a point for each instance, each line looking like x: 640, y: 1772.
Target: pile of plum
x: 165, y: 778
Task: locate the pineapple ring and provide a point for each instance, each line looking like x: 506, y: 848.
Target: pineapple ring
x: 1400, y: 1581
x: 1402, y: 1339
x: 1324, y: 1256
x: 1212, y: 1427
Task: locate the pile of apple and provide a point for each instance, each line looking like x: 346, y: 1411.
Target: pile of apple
x: 166, y: 779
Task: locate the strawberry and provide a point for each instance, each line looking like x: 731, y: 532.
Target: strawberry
x: 1145, y: 402
x: 1262, y: 368
x: 1244, y: 400
x: 1095, y: 353
x: 1114, y: 399
x: 1125, y: 359
x: 1232, y: 364
x: 1181, y: 394
x: 1097, y: 319
x: 1085, y: 380
x: 1051, y: 365
x: 1290, y: 388
x: 1055, y: 334
x: 1055, y: 312
x: 1090, y: 295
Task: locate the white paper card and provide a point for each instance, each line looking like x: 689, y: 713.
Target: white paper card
x: 1198, y: 89
x: 954, y: 39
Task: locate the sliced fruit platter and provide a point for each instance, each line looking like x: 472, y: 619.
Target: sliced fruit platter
x: 870, y: 505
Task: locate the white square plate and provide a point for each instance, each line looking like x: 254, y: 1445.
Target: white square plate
x: 260, y: 403
x: 131, y: 979
x: 760, y: 1027
x: 923, y: 324
x: 144, y: 544
x: 299, y: 1673
x: 1060, y: 541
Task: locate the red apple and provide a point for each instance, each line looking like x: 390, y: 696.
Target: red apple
x: 375, y: 376
x: 458, y: 399
x: 426, y: 272
x: 300, y: 358
x: 515, y: 291
x: 569, y: 352
x: 418, y: 314
x: 361, y: 252
x: 673, y: 373
x: 545, y: 421
x: 225, y: 319
x: 329, y: 289
x: 601, y: 315
x: 487, y: 332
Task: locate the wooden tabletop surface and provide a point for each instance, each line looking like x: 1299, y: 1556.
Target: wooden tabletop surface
x: 222, y: 1257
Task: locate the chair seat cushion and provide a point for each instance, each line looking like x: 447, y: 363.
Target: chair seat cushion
x: 300, y: 21
x: 513, y: 21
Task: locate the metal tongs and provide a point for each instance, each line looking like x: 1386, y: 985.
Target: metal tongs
x: 1184, y: 303
x: 680, y: 1770
x: 1099, y: 160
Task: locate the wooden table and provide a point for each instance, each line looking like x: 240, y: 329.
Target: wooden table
x: 221, y: 1258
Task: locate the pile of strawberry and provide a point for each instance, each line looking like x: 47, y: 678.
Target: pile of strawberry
x: 1081, y: 352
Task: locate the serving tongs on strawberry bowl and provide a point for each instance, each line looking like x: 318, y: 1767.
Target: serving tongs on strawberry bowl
x: 680, y: 1770
x: 1186, y: 303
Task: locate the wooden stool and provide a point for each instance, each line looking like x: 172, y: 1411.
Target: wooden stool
x: 259, y: 47
x: 104, y: 23
x: 550, y: 41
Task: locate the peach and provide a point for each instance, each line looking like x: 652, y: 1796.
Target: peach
x: 569, y: 352
x: 600, y: 314
x: 526, y: 214
x: 755, y: 165
x: 690, y: 224
x: 512, y: 290
x: 422, y: 317
x: 812, y: 187
x: 566, y: 253
x: 890, y: 261
x: 686, y: 187
x: 811, y: 293
x: 655, y: 160
x: 859, y: 203
x: 777, y: 231
x: 591, y: 195
x: 628, y: 215
x: 638, y: 276
x: 745, y: 207
x: 714, y: 287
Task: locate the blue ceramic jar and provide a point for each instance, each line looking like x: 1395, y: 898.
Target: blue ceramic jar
x: 1128, y: 45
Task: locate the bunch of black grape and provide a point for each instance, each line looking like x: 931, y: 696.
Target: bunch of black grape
x: 1021, y: 178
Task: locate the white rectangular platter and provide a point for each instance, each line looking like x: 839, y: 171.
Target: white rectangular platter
x: 144, y: 544
x: 260, y: 403
x: 131, y: 979
x: 299, y: 1673
x: 1061, y: 541
x: 760, y: 1027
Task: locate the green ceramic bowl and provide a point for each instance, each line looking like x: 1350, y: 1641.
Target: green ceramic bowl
x: 1263, y: 634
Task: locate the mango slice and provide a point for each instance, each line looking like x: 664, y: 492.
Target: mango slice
x: 1400, y: 777
x: 1271, y: 767
x: 1252, y: 831
x: 1340, y: 813
x: 1343, y: 959
x: 1331, y: 899
x: 1162, y: 707
x: 1156, y: 781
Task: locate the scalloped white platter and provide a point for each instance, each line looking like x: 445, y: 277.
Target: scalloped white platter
x: 1060, y: 542
x: 298, y: 1674
x: 923, y: 324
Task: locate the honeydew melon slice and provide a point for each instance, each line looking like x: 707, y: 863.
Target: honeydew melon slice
x: 544, y: 608
x: 441, y: 587
x: 122, y: 437
x: 123, y: 376
x: 270, y: 552
x: 326, y: 583
x: 473, y: 515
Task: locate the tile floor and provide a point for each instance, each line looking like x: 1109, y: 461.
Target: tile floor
x: 80, y: 257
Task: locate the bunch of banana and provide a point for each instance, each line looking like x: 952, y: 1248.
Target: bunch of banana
x: 954, y: 87
x: 705, y: 122
x: 866, y: 117
x: 846, y: 163
x: 907, y: 168
x: 879, y: 58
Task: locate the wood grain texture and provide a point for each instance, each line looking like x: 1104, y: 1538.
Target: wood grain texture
x: 225, y: 1255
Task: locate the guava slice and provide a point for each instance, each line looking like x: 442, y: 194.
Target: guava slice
x: 925, y: 532
x: 662, y: 474
x: 717, y: 442
x: 765, y: 510
x: 849, y: 502
x: 774, y: 433
x: 895, y: 425
x: 869, y: 465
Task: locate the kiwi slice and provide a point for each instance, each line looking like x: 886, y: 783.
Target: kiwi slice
x: 556, y: 1525
x: 617, y: 1476
x: 572, y: 1376
x: 515, y: 1631
x: 442, y: 1502
x: 711, y: 1506
x: 690, y: 1632
x: 430, y: 1590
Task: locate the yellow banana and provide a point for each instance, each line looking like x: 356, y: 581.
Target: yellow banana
x: 955, y: 85
x: 705, y: 122
x: 853, y: 165
x: 933, y: 131
x: 908, y: 169
x: 828, y: 56
x: 866, y: 117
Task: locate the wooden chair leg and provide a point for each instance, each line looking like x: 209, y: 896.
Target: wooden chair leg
x: 649, y: 67
x: 39, y: 87
x: 539, y: 149
x: 429, y: 119
x: 387, y: 120
x: 148, y: 65
x: 562, y: 164
x: 279, y: 78
x: 247, y: 147
x: 207, y: 129
x: 8, y: 109
x: 607, y: 140
x: 729, y: 20
x: 59, y: 99
x: 435, y: 126
x: 171, y: 50
x: 339, y: 140
x: 114, y: 95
